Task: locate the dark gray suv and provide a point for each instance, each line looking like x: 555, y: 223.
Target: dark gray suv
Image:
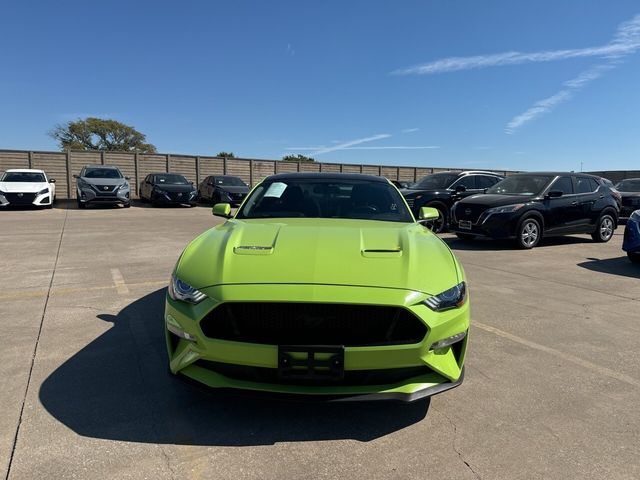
x: 102, y: 184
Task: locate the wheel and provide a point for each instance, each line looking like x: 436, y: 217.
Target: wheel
x: 465, y: 236
x: 81, y: 205
x: 634, y: 256
x: 529, y: 233
x: 440, y: 225
x: 142, y: 199
x: 604, y: 230
x: 126, y: 205
x: 49, y: 206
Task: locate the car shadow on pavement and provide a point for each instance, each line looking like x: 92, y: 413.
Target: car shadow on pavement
x: 118, y: 388
x: 487, y: 244
x: 621, y: 266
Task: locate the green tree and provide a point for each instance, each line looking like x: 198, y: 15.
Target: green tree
x: 297, y: 158
x: 100, y: 134
x: 226, y: 154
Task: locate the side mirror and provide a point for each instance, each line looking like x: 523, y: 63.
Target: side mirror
x: 148, y: 182
x: 428, y: 213
x: 222, y: 210
x: 52, y: 180
x: 461, y: 188
x: 127, y: 178
x: 554, y: 194
x: 190, y: 183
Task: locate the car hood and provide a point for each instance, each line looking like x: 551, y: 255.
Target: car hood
x: 24, y: 187
x: 103, y: 181
x: 492, y: 200
x: 230, y: 189
x: 320, y: 251
x: 176, y: 188
x: 409, y: 192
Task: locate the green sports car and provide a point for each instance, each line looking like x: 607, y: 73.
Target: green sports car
x: 320, y: 284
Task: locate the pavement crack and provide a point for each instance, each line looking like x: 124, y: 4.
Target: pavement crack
x: 35, y: 349
x: 453, y: 444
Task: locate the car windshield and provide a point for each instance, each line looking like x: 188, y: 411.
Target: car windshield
x: 435, y: 181
x: 102, y: 173
x: 521, y: 185
x: 171, y: 179
x: 29, y: 177
x: 230, y: 182
x: 326, y: 198
x: 632, y: 185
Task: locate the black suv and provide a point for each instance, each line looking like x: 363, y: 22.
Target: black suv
x: 630, y: 196
x: 223, y: 189
x: 527, y: 206
x: 442, y: 190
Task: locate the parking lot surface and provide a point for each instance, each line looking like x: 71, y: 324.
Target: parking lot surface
x: 552, y: 384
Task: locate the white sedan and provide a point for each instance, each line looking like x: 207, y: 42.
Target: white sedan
x: 27, y: 187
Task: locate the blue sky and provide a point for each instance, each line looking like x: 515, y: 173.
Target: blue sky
x: 500, y: 84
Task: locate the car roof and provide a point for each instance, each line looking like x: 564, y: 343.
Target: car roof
x: 327, y: 175
x: 23, y: 170
x: 110, y: 167
x: 558, y: 174
x: 166, y: 173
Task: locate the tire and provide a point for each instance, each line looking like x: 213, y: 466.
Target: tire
x: 465, y: 236
x: 81, y: 205
x: 529, y: 233
x: 440, y: 225
x: 604, y: 229
x: 49, y: 207
x: 634, y: 257
x: 126, y: 205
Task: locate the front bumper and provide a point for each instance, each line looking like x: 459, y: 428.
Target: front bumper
x: 497, y: 225
x: 88, y: 195
x: 428, y: 371
x: 174, y: 199
x: 26, y: 199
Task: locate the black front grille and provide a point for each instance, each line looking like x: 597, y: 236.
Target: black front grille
x: 104, y: 189
x: 631, y: 201
x: 468, y: 212
x: 313, y: 324
x: 20, y: 198
x: 351, y: 377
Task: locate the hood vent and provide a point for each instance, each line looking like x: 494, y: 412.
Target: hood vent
x: 252, y: 250
x: 382, y: 253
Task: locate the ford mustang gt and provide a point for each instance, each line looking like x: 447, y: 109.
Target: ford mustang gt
x: 321, y: 285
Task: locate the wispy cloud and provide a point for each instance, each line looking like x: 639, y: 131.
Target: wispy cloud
x: 625, y: 42
x: 290, y: 51
x: 321, y: 149
x: 546, y: 105
x: 385, y: 147
x: 410, y: 130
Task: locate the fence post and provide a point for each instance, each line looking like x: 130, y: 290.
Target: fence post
x: 30, y: 159
x: 251, y: 173
x: 224, y: 165
x: 321, y: 166
x: 379, y: 170
x: 415, y: 174
x: 67, y: 161
x: 136, y: 175
x: 102, y: 157
x: 298, y: 166
x: 340, y: 168
x: 168, y: 161
x: 197, y: 170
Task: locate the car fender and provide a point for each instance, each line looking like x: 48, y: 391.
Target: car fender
x: 528, y: 214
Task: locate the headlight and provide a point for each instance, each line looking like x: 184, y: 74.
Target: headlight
x: 505, y: 209
x: 43, y: 191
x: 452, y: 298
x: 179, y: 290
x: 635, y: 216
x: 124, y: 186
x: 82, y: 184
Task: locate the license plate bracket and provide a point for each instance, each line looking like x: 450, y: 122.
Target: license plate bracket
x: 300, y: 362
x: 465, y: 224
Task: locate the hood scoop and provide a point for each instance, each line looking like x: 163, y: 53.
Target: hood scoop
x: 382, y: 253
x: 252, y: 250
